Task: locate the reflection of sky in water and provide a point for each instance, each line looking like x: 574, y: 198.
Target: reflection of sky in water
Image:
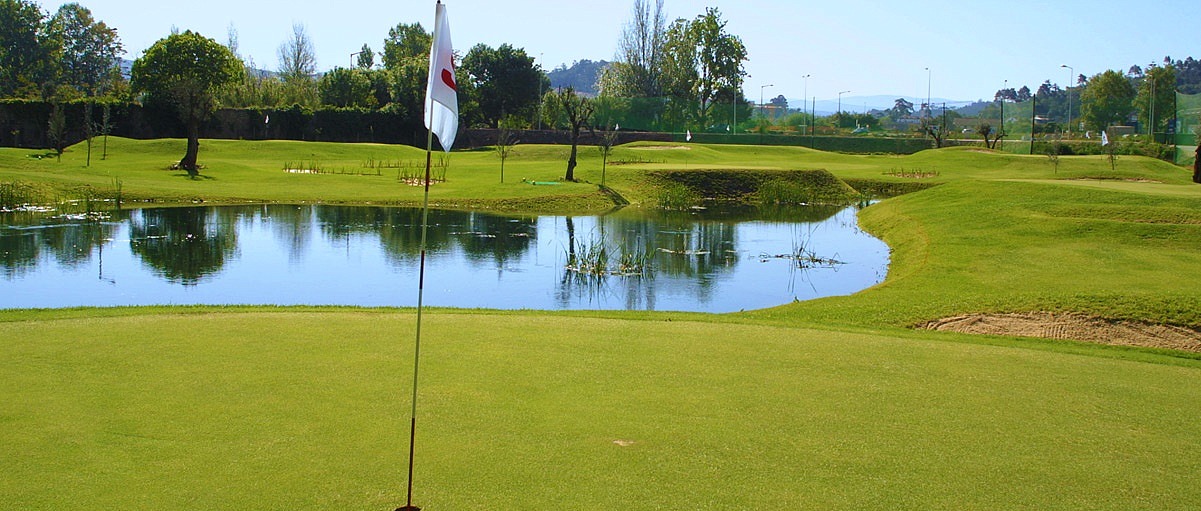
x: 323, y: 255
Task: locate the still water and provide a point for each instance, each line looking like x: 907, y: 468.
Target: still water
x: 706, y: 260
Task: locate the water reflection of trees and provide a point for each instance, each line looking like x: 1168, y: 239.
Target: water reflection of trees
x: 481, y: 237
x: 689, y: 247
x: 291, y: 225
x: 185, y: 245
x: 69, y: 243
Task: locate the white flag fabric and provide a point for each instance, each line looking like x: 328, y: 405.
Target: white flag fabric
x: 1104, y: 138
x: 441, y: 96
x: 688, y: 136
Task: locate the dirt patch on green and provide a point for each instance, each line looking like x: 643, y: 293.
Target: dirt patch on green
x: 1079, y: 327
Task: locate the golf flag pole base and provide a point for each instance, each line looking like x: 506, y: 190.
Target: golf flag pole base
x: 408, y: 508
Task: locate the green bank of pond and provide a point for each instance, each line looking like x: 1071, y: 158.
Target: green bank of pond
x: 703, y: 260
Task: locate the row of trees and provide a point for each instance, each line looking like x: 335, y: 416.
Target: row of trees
x: 494, y: 83
x: 1112, y: 97
x: 62, y: 56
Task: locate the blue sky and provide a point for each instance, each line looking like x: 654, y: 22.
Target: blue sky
x: 867, y: 47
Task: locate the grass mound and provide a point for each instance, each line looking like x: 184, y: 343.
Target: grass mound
x: 759, y: 186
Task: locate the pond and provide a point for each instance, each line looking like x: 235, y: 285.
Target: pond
x: 710, y: 260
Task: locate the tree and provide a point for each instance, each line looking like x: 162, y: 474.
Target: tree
x: 679, y: 61
x: 28, y: 52
x: 1006, y: 95
x: 575, y: 111
x: 90, y: 49
x: 56, y: 129
x: 1156, y: 96
x: 346, y: 88
x: 1106, y: 100
x: 719, y: 60
x: 366, y: 58
x: 506, y: 138
x: 297, y: 67
x: 406, y: 60
x: 936, y: 129
x: 1023, y: 94
x: 986, y: 131
x: 1197, y: 165
x: 506, y: 79
x: 605, y: 143
x: 901, y: 108
x: 297, y: 56
x: 406, y: 43
x: 637, y: 71
x: 187, y: 70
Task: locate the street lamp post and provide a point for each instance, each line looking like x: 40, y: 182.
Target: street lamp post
x: 540, y: 99
x: 839, y: 112
x: 929, y: 107
x: 805, y: 102
x: 1068, y: 89
x: 1001, y: 130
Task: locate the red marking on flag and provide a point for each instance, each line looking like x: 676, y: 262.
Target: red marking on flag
x: 449, y: 79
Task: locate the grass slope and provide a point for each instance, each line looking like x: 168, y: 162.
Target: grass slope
x: 828, y: 404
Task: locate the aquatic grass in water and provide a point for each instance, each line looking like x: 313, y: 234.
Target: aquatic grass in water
x: 592, y: 258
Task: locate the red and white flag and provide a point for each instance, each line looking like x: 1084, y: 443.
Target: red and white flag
x: 441, y: 97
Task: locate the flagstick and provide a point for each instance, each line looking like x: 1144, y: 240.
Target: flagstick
x: 425, y: 215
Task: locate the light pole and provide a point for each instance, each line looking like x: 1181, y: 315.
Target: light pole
x: 839, y: 112
x: 804, y: 102
x: 762, y: 109
x: 354, y: 64
x: 1001, y: 130
x: 1151, y: 119
x: 540, y: 99
x: 929, y: 107
x: 1068, y: 89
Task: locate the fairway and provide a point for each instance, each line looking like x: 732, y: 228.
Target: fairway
x: 235, y: 409
x: 835, y: 403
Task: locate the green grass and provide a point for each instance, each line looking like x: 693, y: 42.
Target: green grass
x: 827, y: 404
x: 260, y: 409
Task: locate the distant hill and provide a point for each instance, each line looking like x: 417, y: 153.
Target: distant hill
x: 581, y: 76
x: 974, y: 109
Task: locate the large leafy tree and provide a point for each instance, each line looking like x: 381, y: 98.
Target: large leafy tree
x: 704, y: 59
x: 406, y: 43
x: 1156, y: 95
x: 347, y: 88
x: 720, y: 57
x: 28, y: 51
x: 187, y: 70
x: 406, y: 61
x: 90, y: 49
x: 506, y: 80
x: 1106, y: 100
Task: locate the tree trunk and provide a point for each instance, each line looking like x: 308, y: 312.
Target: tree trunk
x: 571, y: 162
x: 1197, y: 165
x: 188, y: 162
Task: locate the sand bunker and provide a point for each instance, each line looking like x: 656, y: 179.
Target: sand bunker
x: 1078, y: 327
